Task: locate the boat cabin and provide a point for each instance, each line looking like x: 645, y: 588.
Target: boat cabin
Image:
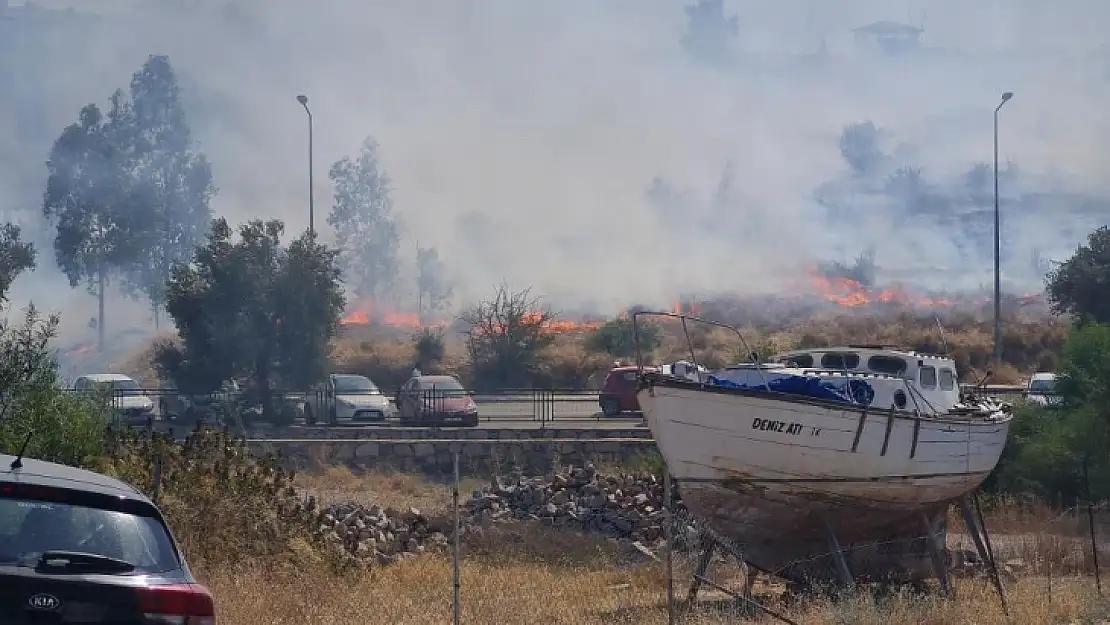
x: 933, y: 378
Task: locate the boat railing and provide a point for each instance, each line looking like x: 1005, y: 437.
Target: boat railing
x: 689, y: 344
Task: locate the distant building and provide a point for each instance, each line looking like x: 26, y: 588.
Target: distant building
x: 890, y: 37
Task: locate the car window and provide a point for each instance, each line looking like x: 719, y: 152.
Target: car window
x: 125, y: 387
x: 928, y: 377
x: 629, y: 376
x: 81, y: 384
x: 947, y: 379
x: 28, y: 527
x: 355, y: 384
x: 1042, y: 387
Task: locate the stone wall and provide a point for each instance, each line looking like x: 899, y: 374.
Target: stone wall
x: 500, y: 452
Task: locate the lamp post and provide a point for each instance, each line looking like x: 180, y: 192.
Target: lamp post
x: 997, y: 247
x: 303, y: 99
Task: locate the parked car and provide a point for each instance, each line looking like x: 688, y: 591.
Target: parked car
x: 1041, y: 390
x: 81, y: 547
x: 436, y: 399
x: 129, y: 402
x: 176, y: 406
x: 345, y: 398
x: 618, y: 392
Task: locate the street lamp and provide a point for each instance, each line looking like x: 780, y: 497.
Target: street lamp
x: 997, y: 263
x: 303, y: 99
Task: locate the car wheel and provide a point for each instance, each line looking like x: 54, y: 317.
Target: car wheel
x: 610, y: 407
x: 309, y: 418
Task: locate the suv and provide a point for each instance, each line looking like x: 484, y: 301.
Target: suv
x: 1042, y: 390
x: 81, y: 547
x: 129, y: 401
x: 618, y: 393
x: 177, y: 406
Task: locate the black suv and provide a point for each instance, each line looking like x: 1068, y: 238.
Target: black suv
x: 80, y: 547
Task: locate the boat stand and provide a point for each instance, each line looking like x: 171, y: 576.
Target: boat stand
x: 978, y: 533
x: 939, y: 567
x: 842, y: 570
x: 710, y: 543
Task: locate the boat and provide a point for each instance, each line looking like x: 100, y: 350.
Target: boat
x: 819, y: 459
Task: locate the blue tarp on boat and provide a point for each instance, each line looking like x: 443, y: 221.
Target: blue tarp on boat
x: 850, y: 391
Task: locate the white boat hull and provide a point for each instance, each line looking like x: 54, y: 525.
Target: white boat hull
x: 772, y: 474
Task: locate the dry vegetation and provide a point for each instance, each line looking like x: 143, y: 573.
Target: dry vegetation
x: 252, y: 542
x: 1029, y: 344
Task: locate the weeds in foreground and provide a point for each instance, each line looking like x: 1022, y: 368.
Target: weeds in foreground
x: 255, y: 543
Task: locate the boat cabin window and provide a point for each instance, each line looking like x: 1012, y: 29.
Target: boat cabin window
x: 840, y: 360
x: 928, y: 377
x: 947, y: 380
x: 886, y: 364
x: 801, y: 361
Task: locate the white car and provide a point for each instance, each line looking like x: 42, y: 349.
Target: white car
x: 346, y: 398
x: 128, y: 399
x: 1042, y: 390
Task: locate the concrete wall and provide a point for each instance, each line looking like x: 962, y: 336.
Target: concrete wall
x: 480, y: 451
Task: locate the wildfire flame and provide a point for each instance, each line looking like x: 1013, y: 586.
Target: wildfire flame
x: 364, y: 315
x: 850, y: 293
x: 80, y: 349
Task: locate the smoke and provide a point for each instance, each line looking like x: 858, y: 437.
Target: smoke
x: 523, y: 138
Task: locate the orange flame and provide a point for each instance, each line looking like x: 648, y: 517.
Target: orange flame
x: 850, y: 293
x: 364, y: 315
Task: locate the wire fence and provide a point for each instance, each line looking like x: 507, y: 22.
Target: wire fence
x: 691, y: 570
x: 139, y: 407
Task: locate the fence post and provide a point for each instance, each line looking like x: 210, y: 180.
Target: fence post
x: 156, y: 489
x: 455, y: 540
x: 668, y: 533
x: 1091, y: 526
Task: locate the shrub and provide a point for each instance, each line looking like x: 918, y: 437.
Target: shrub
x: 56, y: 426
x: 224, y: 505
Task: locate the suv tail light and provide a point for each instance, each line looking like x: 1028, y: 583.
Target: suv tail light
x: 177, y: 604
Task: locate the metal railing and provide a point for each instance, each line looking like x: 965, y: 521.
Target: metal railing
x: 359, y: 407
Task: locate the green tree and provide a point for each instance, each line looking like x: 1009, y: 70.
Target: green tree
x: 504, y: 337
x: 57, y: 426
x: 171, y: 185
x: 617, y: 338
x: 432, y: 285
x: 252, y: 309
x: 1078, y: 287
x: 16, y: 256
x: 87, y: 198
x: 366, y: 231
x: 1047, y: 450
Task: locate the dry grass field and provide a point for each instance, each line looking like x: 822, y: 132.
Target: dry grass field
x: 386, y: 354
x: 529, y: 574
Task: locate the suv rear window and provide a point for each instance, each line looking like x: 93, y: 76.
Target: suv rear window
x: 28, y: 527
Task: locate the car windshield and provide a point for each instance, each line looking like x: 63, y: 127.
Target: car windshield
x: 355, y: 384
x: 29, y: 527
x: 123, y: 387
x: 445, y: 387
x: 1042, y: 387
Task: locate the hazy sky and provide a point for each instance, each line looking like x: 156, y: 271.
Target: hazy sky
x: 522, y: 136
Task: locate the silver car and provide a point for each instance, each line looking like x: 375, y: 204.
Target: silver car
x: 347, y: 398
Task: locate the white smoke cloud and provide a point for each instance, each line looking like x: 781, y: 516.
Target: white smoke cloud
x: 522, y: 137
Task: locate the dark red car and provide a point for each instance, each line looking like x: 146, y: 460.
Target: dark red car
x: 438, y: 400
x: 618, y: 393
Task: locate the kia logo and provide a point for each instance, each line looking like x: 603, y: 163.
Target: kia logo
x: 44, y: 601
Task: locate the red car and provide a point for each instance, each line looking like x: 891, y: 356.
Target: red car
x: 618, y: 394
x: 436, y: 399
